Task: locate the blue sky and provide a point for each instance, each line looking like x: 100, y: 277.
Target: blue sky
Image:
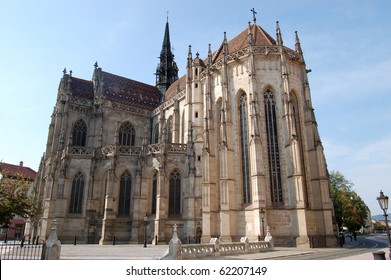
x: 345, y: 43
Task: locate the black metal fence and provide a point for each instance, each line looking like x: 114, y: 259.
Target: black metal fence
x: 19, y: 250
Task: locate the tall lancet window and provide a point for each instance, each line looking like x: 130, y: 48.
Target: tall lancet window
x: 154, y: 193
x: 77, y: 191
x: 272, y: 147
x: 79, y: 133
x: 175, y: 193
x: 155, y: 138
x: 246, y: 183
x: 124, y: 194
x: 126, y: 134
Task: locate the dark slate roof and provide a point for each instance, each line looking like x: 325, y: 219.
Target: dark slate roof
x: 121, y: 90
x: 13, y: 171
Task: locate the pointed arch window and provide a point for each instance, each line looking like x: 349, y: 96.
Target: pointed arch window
x: 79, y: 133
x: 246, y: 183
x: 175, y: 193
x: 154, y: 193
x: 124, y: 194
x: 155, y: 138
x: 77, y: 191
x: 272, y: 147
x: 126, y: 134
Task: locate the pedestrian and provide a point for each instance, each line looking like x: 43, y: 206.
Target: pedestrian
x: 355, y: 235
x: 351, y: 236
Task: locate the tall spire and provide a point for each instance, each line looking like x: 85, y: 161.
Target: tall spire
x: 167, y: 70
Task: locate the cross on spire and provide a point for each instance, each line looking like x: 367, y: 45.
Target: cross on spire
x: 254, y: 13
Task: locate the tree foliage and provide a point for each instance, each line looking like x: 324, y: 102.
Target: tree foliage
x: 16, y: 199
x: 350, y: 210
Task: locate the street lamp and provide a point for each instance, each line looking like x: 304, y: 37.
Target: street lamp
x: 145, y: 229
x: 262, y: 213
x: 383, y: 202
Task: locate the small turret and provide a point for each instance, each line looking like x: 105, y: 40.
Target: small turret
x: 278, y: 34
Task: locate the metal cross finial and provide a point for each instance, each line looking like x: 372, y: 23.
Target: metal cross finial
x: 254, y: 13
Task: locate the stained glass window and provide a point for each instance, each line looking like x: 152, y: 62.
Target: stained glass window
x: 272, y: 147
x: 79, y: 133
x: 175, y: 193
x: 126, y: 134
x: 77, y: 191
x: 246, y: 183
x: 124, y: 194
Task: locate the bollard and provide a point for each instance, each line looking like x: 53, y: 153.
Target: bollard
x: 379, y: 255
x: 74, y: 241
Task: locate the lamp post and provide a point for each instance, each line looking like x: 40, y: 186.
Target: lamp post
x: 145, y: 229
x: 262, y: 213
x: 383, y: 202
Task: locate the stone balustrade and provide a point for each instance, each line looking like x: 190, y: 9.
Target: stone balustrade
x: 179, y: 251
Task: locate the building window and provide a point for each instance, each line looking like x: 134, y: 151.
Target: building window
x: 155, y: 139
x: 154, y: 193
x: 175, y: 193
x: 77, y: 194
x: 124, y: 194
x: 246, y: 183
x: 79, y: 133
x: 272, y: 147
x: 126, y: 134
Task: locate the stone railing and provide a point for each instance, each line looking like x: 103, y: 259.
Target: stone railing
x: 178, y: 251
x: 128, y: 150
x: 80, y: 150
x: 175, y: 148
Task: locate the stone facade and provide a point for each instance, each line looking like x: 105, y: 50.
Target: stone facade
x: 235, y: 135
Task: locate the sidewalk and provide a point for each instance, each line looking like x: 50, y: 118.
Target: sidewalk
x: 152, y: 252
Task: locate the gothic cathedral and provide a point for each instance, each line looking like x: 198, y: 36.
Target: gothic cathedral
x: 224, y: 151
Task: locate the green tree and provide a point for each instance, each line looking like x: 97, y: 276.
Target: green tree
x: 350, y: 210
x: 16, y: 199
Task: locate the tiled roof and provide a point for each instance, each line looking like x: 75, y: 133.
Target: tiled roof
x: 260, y: 37
x: 11, y: 170
x: 82, y: 88
x: 173, y: 89
x: 121, y: 90
x: 130, y: 92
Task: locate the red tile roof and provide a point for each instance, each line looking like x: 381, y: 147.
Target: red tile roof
x: 12, y: 171
x: 173, y: 89
x: 82, y: 88
x: 260, y: 37
x: 130, y: 92
x: 121, y: 90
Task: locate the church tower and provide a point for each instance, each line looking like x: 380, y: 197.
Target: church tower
x: 167, y: 70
